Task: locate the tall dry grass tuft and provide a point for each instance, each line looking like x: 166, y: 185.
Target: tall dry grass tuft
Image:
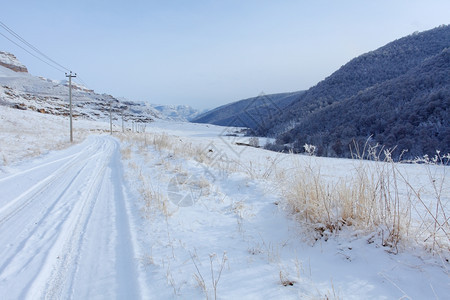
x: 154, y: 201
x: 433, y: 228
x: 215, y: 274
x: 377, y: 197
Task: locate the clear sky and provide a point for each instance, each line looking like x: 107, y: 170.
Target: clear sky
x: 207, y: 53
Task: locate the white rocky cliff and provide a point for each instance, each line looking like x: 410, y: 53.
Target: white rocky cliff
x: 11, y: 62
x: 21, y: 90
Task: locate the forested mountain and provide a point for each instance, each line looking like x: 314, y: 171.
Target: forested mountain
x: 365, y: 71
x: 252, y: 112
x: 398, y: 95
x: 410, y: 112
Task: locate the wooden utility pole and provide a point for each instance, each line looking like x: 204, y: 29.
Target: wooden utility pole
x: 70, y: 75
x: 123, y: 128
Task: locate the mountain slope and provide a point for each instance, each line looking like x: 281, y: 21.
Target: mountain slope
x: 365, y: 71
x: 408, y: 112
x: 252, y: 112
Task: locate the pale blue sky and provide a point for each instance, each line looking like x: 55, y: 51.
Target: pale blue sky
x: 206, y: 53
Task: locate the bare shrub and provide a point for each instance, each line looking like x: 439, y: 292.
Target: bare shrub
x: 215, y: 274
x: 284, y: 279
x: 309, y: 149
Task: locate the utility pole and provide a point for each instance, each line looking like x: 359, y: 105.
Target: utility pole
x: 110, y: 116
x: 123, y: 128
x: 70, y: 75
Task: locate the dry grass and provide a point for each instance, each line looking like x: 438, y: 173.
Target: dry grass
x: 216, y: 273
x: 377, y: 197
x: 154, y: 201
x: 126, y: 152
x: 284, y: 279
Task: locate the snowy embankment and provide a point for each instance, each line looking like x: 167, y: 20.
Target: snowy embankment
x: 182, y: 211
x: 219, y: 224
x: 25, y: 134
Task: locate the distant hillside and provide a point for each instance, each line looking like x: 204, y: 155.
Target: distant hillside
x: 21, y: 90
x: 177, y: 112
x: 252, y: 112
x: 392, y: 76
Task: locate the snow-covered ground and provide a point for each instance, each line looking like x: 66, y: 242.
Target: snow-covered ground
x: 240, y: 212
x: 65, y: 226
x: 126, y: 217
x: 25, y: 134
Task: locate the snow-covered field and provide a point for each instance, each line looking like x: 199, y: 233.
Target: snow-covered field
x: 25, y: 134
x: 128, y: 217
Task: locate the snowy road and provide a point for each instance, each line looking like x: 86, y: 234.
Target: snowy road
x: 65, y: 226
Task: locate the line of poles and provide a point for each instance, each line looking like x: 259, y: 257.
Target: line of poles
x: 135, y: 126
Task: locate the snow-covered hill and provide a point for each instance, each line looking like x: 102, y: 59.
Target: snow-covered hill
x: 177, y: 112
x: 21, y: 90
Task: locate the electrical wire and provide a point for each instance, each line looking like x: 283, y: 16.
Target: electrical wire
x: 31, y: 53
x: 17, y: 36
x: 55, y: 64
x: 82, y: 82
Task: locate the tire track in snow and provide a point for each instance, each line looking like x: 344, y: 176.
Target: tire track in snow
x: 125, y: 263
x: 66, y: 248
x: 38, y: 188
x: 37, y: 234
x: 37, y: 167
x: 50, y: 209
x: 52, y: 253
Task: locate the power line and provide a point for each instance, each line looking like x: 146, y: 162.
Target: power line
x: 55, y: 64
x: 83, y: 82
x: 17, y: 36
x: 31, y: 53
